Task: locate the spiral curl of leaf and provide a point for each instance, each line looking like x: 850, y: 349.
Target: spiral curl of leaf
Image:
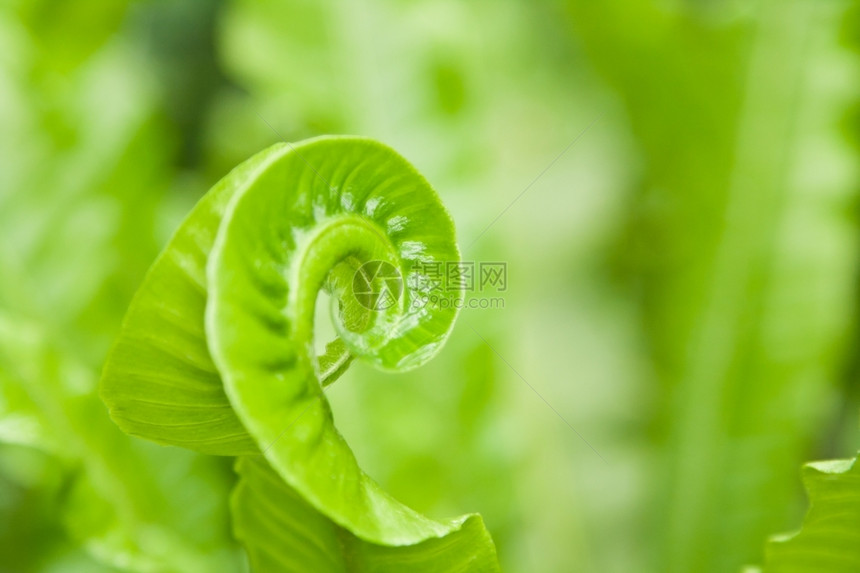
x: 216, y: 353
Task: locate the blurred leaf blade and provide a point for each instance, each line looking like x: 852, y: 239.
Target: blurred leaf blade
x: 126, y: 500
x: 745, y: 326
x: 829, y: 539
x: 78, y: 208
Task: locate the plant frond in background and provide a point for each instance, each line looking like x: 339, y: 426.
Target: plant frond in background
x: 740, y: 239
x: 829, y: 539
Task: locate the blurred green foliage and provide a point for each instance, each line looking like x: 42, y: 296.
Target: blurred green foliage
x: 682, y: 280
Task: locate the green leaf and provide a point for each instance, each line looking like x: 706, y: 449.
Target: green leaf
x: 829, y: 540
x: 282, y: 532
x: 159, y: 381
x: 216, y: 353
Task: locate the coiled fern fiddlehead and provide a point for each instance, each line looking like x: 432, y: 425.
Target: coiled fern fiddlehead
x: 216, y: 353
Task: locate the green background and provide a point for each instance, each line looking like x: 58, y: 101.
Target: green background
x: 678, y: 189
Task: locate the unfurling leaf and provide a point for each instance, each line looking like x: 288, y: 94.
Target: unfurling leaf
x: 216, y: 353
